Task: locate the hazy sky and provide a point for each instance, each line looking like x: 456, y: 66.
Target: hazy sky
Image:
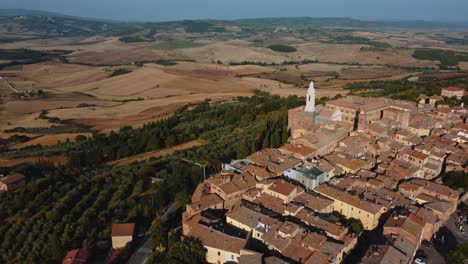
x: 154, y: 10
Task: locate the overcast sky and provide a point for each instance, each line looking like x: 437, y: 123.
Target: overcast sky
x: 157, y: 10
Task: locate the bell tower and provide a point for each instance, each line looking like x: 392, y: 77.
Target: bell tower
x: 310, y: 101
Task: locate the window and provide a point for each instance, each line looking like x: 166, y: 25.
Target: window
x: 232, y: 257
x: 219, y: 253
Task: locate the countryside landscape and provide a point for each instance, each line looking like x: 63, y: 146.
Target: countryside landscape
x: 121, y: 129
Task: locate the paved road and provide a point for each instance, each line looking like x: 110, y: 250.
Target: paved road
x: 9, y: 85
x: 145, y: 250
x: 141, y: 255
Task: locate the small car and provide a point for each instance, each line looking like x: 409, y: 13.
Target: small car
x: 419, y: 261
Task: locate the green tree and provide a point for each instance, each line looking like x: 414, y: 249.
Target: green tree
x: 356, y: 226
x: 187, y: 251
x: 458, y: 255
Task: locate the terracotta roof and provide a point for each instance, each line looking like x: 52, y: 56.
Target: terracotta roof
x: 76, y: 256
x: 12, y: 178
x: 353, y: 164
x: 215, y: 239
x: 123, y: 229
x: 274, y: 160
x: 313, y: 202
x: 318, y: 258
x: 415, y: 154
x: 313, y: 241
x: 348, y: 198
x: 360, y: 103
x: 299, y: 149
x: 272, y: 203
x: 206, y: 202
x: 271, y: 238
x: 383, y: 254
x: 259, y: 171
x: 297, y: 253
x: 247, y: 216
x: 282, y: 187
x: 436, y: 188
x: 453, y: 89
x: 397, y: 173
x: 315, y: 221
x: 409, y: 187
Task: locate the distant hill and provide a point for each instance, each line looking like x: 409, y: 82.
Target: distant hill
x: 27, y: 12
x: 350, y: 23
x: 18, y: 24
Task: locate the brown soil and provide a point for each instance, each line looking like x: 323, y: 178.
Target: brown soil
x: 157, y: 153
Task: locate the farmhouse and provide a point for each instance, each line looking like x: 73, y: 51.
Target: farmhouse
x: 12, y: 182
x: 453, y: 92
x: 122, y: 234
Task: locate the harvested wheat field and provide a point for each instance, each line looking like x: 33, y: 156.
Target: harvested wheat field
x: 230, y: 51
x: 10, y: 120
x: 150, y: 82
x: 57, y: 160
x: 157, y: 153
x: 346, y: 53
x: 52, y: 74
x: 136, y: 113
x: 50, y: 140
x: 119, y: 57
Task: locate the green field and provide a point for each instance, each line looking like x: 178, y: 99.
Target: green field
x: 177, y: 44
x: 18, y: 67
x: 130, y: 39
x: 282, y: 48
x: 120, y: 72
x: 447, y: 58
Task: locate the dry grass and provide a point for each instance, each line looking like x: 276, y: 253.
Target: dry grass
x: 157, y: 153
x: 52, y: 75
x: 49, y: 140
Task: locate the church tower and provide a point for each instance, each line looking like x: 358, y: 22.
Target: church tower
x: 310, y: 101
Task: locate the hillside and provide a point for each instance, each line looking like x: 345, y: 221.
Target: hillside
x: 17, y: 24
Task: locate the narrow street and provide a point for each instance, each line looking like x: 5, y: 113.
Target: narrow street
x: 144, y: 250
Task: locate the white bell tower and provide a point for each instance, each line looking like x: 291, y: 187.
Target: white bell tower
x: 310, y: 101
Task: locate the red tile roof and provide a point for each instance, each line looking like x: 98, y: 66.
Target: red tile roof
x: 123, y: 229
x: 215, y: 239
x: 282, y: 187
x: 299, y: 149
x: 12, y: 178
x: 454, y: 89
x: 76, y: 256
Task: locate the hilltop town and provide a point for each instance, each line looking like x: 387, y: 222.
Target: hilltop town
x: 352, y: 165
